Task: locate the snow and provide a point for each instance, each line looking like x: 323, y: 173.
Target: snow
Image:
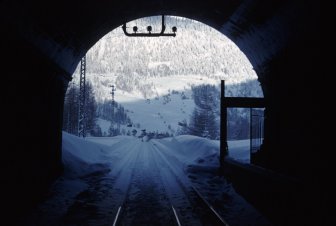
x: 145, y: 70
x: 102, y: 171
x: 83, y: 150
x: 162, y: 112
x: 240, y: 150
x: 157, y: 114
x: 193, y: 148
x: 153, y: 115
x: 158, y: 63
x: 104, y: 125
x: 83, y: 156
x: 106, y: 172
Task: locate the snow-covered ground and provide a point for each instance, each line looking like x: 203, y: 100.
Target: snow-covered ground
x: 171, y: 103
x: 239, y: 150
x: 163, y: 112
x: 145, y: 178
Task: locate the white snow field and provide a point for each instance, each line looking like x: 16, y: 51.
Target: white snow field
x: 145, y: 179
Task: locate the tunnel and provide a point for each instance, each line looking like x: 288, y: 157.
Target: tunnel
x: 42, y: 42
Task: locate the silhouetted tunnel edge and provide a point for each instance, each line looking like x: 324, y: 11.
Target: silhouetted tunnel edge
x: 42, y: 50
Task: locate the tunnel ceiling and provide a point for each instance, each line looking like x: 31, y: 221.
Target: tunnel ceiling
x: 64, y: 30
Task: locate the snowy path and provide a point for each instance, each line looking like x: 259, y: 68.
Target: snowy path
x: 147, y: 202
x: 151, y: 183
x: 151, y: 187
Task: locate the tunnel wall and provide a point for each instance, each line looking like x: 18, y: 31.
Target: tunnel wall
x: 281, y: 40
x: 33, y: 93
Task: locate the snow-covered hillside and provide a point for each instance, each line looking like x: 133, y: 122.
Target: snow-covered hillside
x: 154, y: 76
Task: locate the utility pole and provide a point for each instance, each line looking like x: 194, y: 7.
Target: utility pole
x: 81, y: 107
x: 223, y: 125
x: 112, y: 93
x: 112, y: 129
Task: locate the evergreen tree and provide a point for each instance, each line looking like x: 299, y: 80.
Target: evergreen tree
x: 203, y: 121
x: 105, y: 109
x: 70, y: 112
x: 114, y: 131
x: 90, y: 109
x: 96, y: 131
x: 71, y: 106
x: 183, y: 129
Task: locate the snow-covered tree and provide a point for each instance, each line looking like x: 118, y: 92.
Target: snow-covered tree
x: 90, y: 109
x: 70, y: 112
x: 71, y: 105
x: 203, y: 121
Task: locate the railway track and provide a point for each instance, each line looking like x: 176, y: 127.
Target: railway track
x: 209, y: 216
x: 117, y: 222
x: 136, y: 196
x: 187, y: 206
x: 215, y: 218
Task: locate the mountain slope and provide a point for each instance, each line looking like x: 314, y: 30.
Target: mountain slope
x: 152, y: 74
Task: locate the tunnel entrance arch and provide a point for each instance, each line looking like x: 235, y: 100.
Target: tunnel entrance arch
x: 149, y: 149
x: 250, y: 33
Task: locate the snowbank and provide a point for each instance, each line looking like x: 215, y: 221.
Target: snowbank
x: 82, y: 157
x: 191, y: 149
